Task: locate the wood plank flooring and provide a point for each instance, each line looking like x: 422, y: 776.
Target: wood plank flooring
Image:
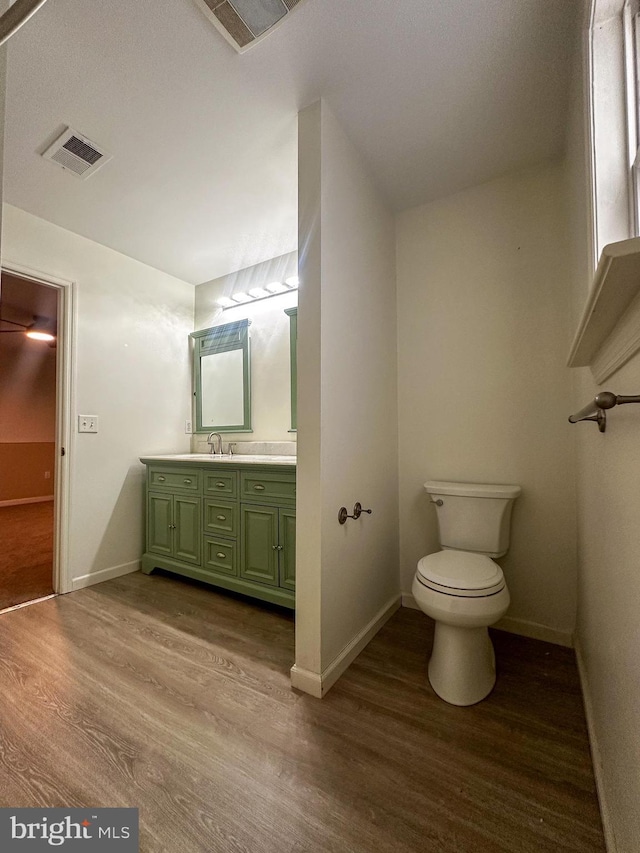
x: 162, y: 694
x: 26, y: 552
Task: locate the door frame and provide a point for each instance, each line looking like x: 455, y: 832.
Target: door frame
x: 65, y: 390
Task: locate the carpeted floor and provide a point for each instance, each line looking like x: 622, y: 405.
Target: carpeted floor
x: 26, y: 552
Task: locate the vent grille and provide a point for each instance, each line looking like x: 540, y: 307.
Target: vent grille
x: 76, y: 154
x: 245, y: 22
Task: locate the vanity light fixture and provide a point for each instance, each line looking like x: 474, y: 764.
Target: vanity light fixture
x: 274, y: 288
x: 225, y: 302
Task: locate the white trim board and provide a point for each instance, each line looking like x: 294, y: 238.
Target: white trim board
x: 21, y: 501
x: 65, y: 390
x: 596, y: 757
x: 104, y: 575
x: 535, y: 631
x: 522, y: 627
x: 318, y: 684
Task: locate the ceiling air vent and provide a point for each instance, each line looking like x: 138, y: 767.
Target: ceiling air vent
x: 245, y: 22
x: 76, y: 154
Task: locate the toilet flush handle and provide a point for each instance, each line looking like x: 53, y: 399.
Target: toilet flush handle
x: 439, y: 502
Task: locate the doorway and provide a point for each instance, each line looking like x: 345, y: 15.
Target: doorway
x: 29, y: 370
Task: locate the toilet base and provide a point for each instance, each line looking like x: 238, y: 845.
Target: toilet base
x: 462, y: 668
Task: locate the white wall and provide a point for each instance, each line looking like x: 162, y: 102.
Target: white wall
x: 608, y: 474
x: 347, y: 576
x: 269, y: 331
x: 484, y: 394
x: 131, y: 369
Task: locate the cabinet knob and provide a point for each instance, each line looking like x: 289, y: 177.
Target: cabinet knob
x: 279, y: 547
x: 220, y: 485
x: 259, y: 488
x: 161, y: 479
x: 187, y: 481
x: 172, y: 526
x: 220, y: 555
x: 221, y: 517
x: 274, y: 547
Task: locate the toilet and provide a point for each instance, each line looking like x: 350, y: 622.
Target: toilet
x: 462, y: 588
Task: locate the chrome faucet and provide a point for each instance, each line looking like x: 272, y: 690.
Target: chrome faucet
x: 218, y: 452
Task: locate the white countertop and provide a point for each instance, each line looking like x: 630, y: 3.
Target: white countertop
x: 210, y: 458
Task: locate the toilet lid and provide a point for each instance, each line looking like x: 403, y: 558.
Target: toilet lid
x: 461, y: 570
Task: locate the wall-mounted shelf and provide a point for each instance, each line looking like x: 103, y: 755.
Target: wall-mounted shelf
x: 609, y: 331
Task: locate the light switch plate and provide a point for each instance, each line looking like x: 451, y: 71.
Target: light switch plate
x: 188, y: 427
x: 87, y: 423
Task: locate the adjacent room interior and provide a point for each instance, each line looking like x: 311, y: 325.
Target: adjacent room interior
x: 387, y: 233
x: 28, y: 369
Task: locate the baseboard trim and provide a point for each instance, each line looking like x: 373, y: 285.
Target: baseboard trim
x: 596, y: 755
x: 535, y: 631
x: 104, y: 575
x: 307, y: 681
x: 409, y: 601
x: 318, y: 685
x: 515, y: 626
x: 20, y: 501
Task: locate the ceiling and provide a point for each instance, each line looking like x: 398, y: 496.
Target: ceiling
x: 437, y: 95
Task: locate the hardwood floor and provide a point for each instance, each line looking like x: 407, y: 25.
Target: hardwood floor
x: 26, y: 552
x: 161, y: 694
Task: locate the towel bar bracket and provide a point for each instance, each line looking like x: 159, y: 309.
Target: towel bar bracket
x: 596, y: 411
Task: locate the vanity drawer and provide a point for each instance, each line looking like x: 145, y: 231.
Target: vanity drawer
x: 220, y: 555
x: 220, y: 517
x: 278, y: 487
x: 221, y: 483
x: 170, y: 479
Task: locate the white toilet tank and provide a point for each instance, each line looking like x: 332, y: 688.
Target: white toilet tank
x: 473, y: 516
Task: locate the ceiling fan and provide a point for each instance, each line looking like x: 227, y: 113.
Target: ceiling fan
x: 40, y: 329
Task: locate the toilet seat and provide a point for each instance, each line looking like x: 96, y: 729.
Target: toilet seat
x: 461, y: 574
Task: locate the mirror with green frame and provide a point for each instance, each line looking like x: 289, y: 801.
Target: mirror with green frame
x: 222, y: 384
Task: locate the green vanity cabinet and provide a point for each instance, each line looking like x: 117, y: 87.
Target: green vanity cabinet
x: 237, y: 532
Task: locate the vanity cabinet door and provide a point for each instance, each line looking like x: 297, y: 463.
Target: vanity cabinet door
x: 188, y: 529
x: 259, y: 544
x: 174, y: 526
x: 159, y: 521
x: 287, y: 540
